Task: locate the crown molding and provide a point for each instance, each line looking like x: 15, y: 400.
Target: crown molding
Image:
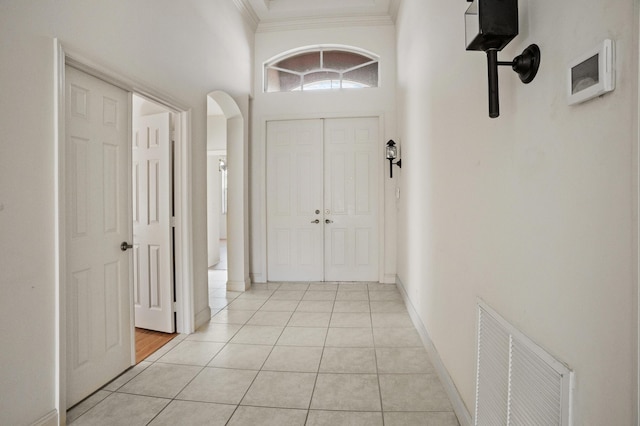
x: 394, y: 6
x: 248, y: 13
x: 324, y: 22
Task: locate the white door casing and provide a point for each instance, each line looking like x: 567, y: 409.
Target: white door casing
x: 294, y: 204
x: 152, y: 248
x: 351, y: 199
x: 97, y: 206
x: 327, y: 166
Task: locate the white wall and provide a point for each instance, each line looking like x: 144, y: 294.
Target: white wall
x: 379, y: 101
x: 185, y: 49
x: 216, y: 133
x: 535, y: 211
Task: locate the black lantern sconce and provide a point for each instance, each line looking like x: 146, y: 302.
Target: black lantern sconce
x: 489, y: 26
x: 392, y: 154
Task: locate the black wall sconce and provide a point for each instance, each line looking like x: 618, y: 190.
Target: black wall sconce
x: 392, y: 154
x: 489, y: 26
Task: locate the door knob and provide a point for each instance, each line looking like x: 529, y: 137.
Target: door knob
x: 124, y: 246
x: 328, y: 221
x: 315, y: 221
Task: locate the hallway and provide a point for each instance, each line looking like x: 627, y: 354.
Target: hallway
x: 285, y: 354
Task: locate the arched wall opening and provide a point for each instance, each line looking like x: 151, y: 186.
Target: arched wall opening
x: 223, y: 110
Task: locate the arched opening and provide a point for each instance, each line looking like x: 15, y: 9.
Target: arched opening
x: 227, y: 200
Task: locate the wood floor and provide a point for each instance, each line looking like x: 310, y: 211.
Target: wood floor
x: 147, y: 342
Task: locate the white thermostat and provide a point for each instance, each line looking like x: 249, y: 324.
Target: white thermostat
x: 592, y: 74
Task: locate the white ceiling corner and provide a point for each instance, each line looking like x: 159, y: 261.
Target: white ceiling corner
x: 247, y: 12
x: 394, y: 6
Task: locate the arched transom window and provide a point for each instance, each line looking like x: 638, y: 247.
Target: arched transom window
x: 321, y: 68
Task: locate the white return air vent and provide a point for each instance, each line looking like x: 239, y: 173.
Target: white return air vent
x: 517, y: 382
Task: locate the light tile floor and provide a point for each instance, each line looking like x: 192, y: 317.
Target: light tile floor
x: 284, y: 354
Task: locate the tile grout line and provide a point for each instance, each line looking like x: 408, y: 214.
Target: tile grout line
x: 263, y: 363
x: 187, y: 384
x: 259, y: 370
x: 326, y: 336
x: 375, y: 356
x: 197, y: 374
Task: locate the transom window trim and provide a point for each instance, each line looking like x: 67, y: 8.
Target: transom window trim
x: 326, y: 77
x: 322, y: 69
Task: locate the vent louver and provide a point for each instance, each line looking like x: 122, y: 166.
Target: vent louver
x: 517, y: 382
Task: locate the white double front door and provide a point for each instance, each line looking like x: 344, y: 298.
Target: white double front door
x: 322, y: 200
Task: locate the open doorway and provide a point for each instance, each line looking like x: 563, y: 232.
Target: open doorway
x: 217, y: 189
x: 227, y: 200
x: 91, y: 188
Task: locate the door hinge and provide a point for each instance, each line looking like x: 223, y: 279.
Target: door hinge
x: 175, y: 306
x: 172, y: 221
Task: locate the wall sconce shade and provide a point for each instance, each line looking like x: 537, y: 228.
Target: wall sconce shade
x: 391, y: 153
x: 489, y: 26
x: 392, y: 150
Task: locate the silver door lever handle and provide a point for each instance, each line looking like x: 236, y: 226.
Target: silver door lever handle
x: 315, y: 221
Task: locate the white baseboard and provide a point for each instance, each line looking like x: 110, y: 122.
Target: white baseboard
x: 450, y: 388
x: 51, y: 419
x: 203, y: 317
x: 238, y: 285
x: 257, y: 278
x: 389, y: 279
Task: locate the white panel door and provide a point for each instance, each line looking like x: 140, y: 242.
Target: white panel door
x: 351, y: 199
x: 98, y: 220
x: 325, y: 171
x: 152, y: 254
x: 294, y: 200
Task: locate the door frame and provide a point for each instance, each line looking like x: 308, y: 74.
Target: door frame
x: 380, y: 116
x: 185, y: 316
x: 636, y: 194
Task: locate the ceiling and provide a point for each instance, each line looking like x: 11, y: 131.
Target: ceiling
x: 282, y: 13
